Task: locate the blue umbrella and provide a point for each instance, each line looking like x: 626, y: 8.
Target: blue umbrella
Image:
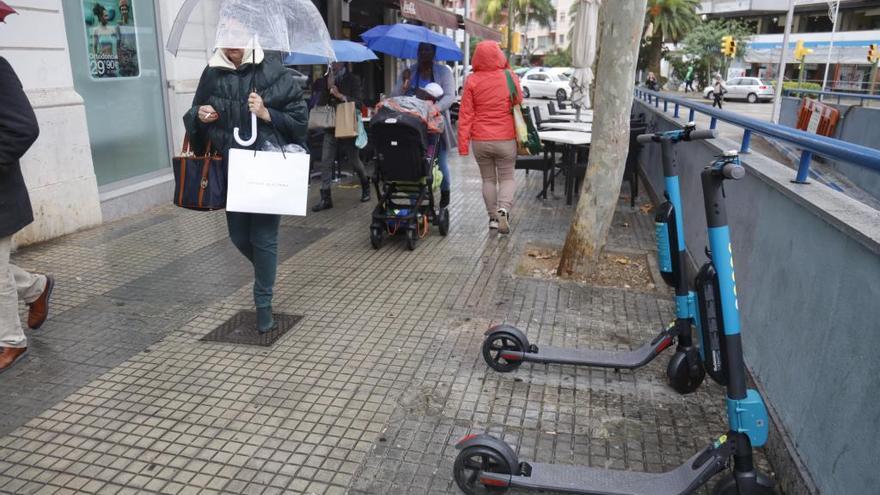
x: 402, y: 41
x: 346, y: 51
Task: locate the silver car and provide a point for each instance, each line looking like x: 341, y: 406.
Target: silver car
x: 751, y: 89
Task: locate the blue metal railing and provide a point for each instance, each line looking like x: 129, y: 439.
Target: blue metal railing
x: 822, y: 95
x: 810, y: 144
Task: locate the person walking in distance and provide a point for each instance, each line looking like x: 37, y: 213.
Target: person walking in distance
x: 486, y: 118
x: 689, y: 78
x: 340, y: 85
x: 18, y: 131
x: 718, y: 90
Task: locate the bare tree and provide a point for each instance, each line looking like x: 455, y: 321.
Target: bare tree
x: 621, y: 27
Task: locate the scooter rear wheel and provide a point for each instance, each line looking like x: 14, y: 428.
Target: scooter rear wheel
x: 727, y: 486
x: 680, y: 375
x: 495, y: 344
x: 471, y: 461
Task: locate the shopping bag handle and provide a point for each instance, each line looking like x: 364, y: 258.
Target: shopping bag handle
x: 253, y: 138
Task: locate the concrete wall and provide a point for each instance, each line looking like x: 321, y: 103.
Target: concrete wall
x: 58, y: 168
x: 808, y: 274
x: 857, y: 125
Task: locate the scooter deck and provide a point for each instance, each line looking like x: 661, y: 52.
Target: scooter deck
x: 631, y: 359
x: 594, y: 481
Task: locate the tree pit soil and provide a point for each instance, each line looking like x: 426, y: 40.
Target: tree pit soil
x: 623, y: 271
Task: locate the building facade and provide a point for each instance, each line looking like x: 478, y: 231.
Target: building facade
x: 858, y: 26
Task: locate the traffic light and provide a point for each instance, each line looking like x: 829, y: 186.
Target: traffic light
x: 727, y: 46
x: 503, y: 37
x: 800, y: 52
x: 732, y: 48
x: 873, y: 53
x: 517, y: 44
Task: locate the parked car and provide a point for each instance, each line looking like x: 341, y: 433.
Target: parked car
x: 543, y: 82
x: 751, y: 89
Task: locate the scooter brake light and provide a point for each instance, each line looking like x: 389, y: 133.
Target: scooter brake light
x: 493, y: 481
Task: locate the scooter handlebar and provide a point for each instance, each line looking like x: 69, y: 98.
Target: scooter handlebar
x: 645, y: 138
x: 696, y: 135
x: 733, y: 171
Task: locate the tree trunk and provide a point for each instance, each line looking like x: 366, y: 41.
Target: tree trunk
x: 655, y: 54
x: 511, y: 13
x: 595, y: 67
x: 622, y: 24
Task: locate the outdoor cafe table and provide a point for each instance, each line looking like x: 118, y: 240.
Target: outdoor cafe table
x: 567, y: 126
x: 570, y: 141
x: 570, y: 118
x: 573, y: 111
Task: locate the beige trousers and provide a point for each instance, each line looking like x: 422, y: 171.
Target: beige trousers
x: 15, y: 283
x: 497, y: 160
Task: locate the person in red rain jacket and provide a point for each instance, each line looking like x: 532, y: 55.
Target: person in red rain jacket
x: 486, y: 119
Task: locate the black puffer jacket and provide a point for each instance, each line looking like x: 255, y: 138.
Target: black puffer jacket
x: 227, y: 90
x: 18, y: 131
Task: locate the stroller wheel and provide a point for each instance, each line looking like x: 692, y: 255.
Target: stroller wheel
x: 412, y: 236
x: 376, y: 237
x: 443, y: 221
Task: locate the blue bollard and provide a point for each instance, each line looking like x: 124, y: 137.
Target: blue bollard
x: 713, y: 123
x: 657, y: 101
x: 691, y: 115
x: 665, y: 106
x: 747, y: 138
x: 803, y: 172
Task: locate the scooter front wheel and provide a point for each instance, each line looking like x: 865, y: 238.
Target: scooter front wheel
x: 475, y: 460
x: 685, y: 371
x: 495, y: 345
x: 761, y: 485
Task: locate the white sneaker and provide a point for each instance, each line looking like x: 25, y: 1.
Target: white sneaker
x: 503, y: 221
x: 493, y: 224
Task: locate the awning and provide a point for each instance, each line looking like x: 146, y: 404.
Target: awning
x: 476, y: 29
x: 429, y: 13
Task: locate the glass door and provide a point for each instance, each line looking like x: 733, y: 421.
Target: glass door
x: 114, y: 52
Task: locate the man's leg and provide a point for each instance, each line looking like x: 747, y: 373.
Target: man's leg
x: 13, y: 343
x: 328, y: 156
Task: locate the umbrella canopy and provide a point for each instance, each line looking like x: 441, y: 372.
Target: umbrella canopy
x: 274, y: 25
x: 583, y: 50
x: 346, y: 51
x: 402, y: 41
x: 5, y: 10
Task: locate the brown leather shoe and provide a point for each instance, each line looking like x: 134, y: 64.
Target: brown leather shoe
x: 9, y: 356
x: 39, y: 309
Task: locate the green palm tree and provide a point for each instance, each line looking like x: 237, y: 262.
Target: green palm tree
x: 668, y: 20
x: 494, y: 12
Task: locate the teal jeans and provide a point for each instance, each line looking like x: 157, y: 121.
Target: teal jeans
x: 256, y: 237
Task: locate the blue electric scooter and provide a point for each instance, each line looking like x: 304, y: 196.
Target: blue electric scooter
x: 486, y: 463
x: 506, y: 347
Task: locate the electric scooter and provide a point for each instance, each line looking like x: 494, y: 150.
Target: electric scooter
x: 506, y: 347
x: 486, y: 462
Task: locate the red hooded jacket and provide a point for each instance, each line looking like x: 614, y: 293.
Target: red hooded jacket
x: 485, y: 113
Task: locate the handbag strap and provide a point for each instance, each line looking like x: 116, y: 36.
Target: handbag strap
x: 511, y: 88
x: 187, y: 146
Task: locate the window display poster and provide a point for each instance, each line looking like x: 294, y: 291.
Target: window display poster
x: 111, y: 38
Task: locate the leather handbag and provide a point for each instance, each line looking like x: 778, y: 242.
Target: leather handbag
x: 199, y: 181
x: 322, y: 117
x: 528, y: 142
x: 346, y: 120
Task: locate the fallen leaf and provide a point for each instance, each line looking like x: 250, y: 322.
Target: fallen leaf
x: 647, y: 207
x: 622, y: 261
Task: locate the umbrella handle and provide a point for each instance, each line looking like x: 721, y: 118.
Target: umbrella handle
x: 253, y: 138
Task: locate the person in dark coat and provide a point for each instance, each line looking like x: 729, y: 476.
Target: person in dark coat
x: 18, y: 131
x: 235, y: 83
x: 339, y: 86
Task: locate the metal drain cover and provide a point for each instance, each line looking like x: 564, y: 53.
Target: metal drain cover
x: 242, y: 329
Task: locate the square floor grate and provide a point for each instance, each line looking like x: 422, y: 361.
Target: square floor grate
x: 242, y: 329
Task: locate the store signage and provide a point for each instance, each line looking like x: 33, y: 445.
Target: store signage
x: 111, y: 38
x: 408, y: 8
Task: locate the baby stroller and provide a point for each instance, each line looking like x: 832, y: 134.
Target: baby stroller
x: 406, y: 157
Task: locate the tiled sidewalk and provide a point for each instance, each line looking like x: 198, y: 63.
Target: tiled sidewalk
x: 367, y: 394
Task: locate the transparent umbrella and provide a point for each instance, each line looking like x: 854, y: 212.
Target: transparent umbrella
x: 583, y: 51
x: 274, y: 25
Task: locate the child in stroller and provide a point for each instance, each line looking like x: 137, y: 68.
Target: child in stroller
x: 405, y: 132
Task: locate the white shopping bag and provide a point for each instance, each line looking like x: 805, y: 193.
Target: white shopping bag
x: 267, y: 182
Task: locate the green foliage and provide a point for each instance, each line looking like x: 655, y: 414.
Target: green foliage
x: 804, y: 85
x: 703, y: 45
x: 495, y: 11
x: 558, y: 58
x: 672, y: 19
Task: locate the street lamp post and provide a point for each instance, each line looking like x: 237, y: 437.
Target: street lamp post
x: 780, y: 76
x: 835, y: 7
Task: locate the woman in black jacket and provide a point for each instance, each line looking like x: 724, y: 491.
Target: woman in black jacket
x: 235, y: 83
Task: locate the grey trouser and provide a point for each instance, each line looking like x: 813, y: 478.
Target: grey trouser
x: 328, y: 156
x: 15, y: 283
x: 497, y: 160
